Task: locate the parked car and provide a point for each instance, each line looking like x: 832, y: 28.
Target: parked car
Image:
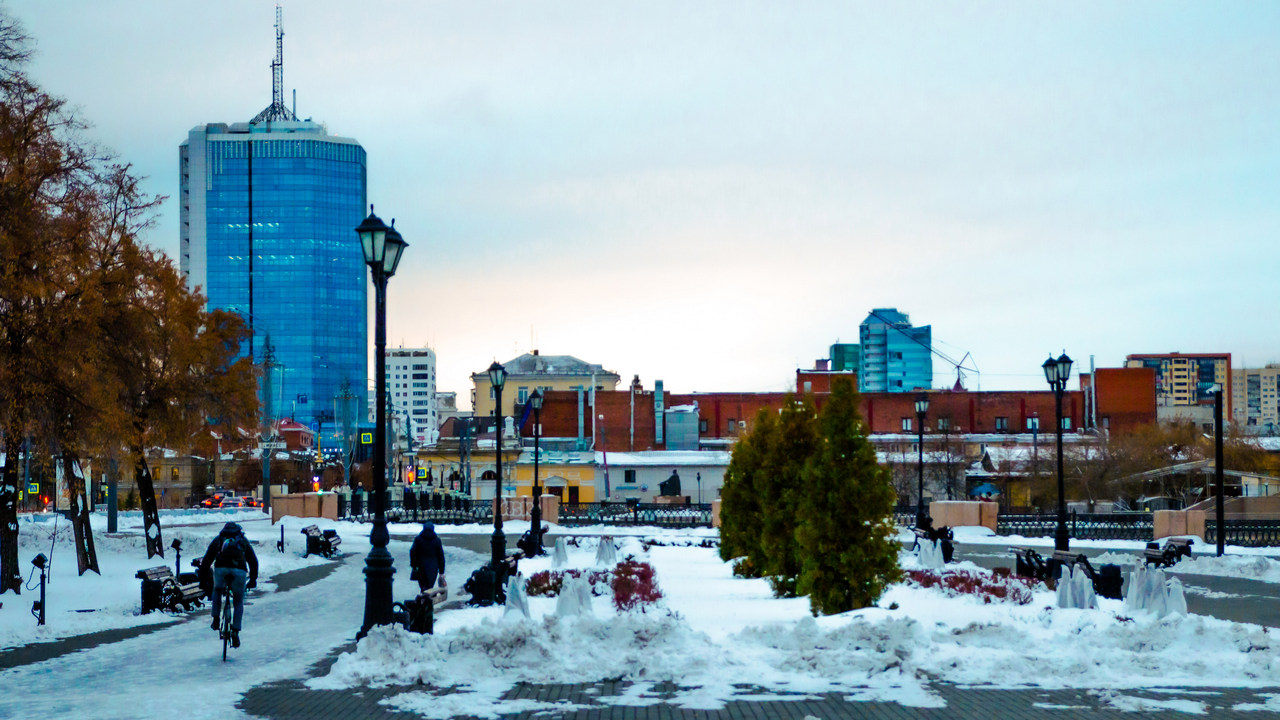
x: 252, y: 502
x: 232, y: 502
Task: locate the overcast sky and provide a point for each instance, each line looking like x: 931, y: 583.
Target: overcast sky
x: 713, y: 193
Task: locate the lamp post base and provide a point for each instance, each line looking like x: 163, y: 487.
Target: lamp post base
x: 499, y: 546
x: 378, y: 573
x: 1060, y: 537
x: 921, y: 518
x: 535, y: 524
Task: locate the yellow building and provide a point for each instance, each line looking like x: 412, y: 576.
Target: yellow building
x: 532, y: 371
x: 1188, y: 380
x: 570, y: 476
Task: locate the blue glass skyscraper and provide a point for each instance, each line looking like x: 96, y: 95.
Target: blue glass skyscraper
x: 895, y: 356
x: 269, y: 209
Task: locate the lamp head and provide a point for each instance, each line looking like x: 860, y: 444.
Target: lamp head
x: 1050, y: 368
x: 395, y: 248
x: 40, y: 561
x: 922, y: 405
x: 373, y: 238
x: 176, y: 544
x: 497, y: 375
x: 1064, y: 368
x: 535, y: 400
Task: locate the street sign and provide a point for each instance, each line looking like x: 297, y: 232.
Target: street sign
x: 33, y: 488
x: 273, y: 445
x: 366, y: 438
x: 422, y: 473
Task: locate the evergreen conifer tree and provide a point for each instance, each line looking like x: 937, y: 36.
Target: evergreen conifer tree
x: 846, y: 528
x: 795, y: 442
x: 740, y: 506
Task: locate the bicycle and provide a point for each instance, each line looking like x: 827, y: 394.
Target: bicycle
x: 225, y: 630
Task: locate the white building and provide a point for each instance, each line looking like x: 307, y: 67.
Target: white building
x: 411, y: 389
x: 1256, y: 399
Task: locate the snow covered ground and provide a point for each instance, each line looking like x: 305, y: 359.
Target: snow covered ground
x: 717, y: 637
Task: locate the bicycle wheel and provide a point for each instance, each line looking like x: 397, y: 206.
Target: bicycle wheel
x: 226, y: 621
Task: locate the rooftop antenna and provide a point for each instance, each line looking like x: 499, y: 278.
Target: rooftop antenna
x: 276, y: 110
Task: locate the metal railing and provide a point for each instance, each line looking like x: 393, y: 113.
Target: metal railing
x: 1081, y: 526
x: 622, y: 513
x: 1245, y: 533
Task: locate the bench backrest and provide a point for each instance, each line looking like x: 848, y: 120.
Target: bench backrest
x: 311, y: 530
x: 162, y: 572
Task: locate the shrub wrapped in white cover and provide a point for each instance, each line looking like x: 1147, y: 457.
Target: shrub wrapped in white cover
x: 575, y: 597
x: 1176, y: 602
x: 607, y: 553
x: 929, y: 555
x: 1082, y: 593
x: 517, y: 598
x: 1133, y: 593
x: 560, y: 556
x: 1065, y: 598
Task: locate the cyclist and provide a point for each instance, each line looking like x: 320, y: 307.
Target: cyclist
x: 233, y: 562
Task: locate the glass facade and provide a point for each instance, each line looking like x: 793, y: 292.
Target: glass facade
x: 279, y: 211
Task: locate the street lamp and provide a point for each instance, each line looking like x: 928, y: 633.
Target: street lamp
x: 382, y: 249
x: 535, y: 402
x: 1220, y: 502
x: 497, y: 378
x: 1057, y: 372
x: 922, y: 409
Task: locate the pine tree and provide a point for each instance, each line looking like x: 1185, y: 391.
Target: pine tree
x: 794, y: 443
x: 740, y: 506
x: 846, y: 513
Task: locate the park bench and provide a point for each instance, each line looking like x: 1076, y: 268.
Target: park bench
x: 1174, y: 550
x: 321, y: 543
x: 1030, y: 563
x: 418, y: 615
x: 162, y: 591
x: 1107, y: 582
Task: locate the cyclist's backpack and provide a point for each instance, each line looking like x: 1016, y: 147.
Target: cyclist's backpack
x: 231, y: 554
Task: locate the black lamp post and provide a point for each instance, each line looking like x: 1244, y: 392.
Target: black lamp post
x: 1219, y: 506
x: 922, y: 409
x: 497, y: 378
x: 1057, y: 372
x: 382, y: 249
x: 535, y: 402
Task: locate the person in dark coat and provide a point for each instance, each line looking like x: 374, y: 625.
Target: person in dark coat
x: 233, y: 563
x: 426, y: 558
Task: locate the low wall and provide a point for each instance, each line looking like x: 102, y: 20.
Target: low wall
x: 1169, y: 523
x: 961, y: 513
x: 520, y: 507
x: 317, y: 505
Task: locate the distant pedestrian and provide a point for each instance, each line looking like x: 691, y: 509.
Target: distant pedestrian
x: 426, y: 558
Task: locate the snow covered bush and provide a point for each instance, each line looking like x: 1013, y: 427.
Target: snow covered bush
x: 993, y: 588
x: 548, y: 583
x: 634, y: 584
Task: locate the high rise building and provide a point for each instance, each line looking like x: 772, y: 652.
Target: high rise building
x: 1255, y: 398
x: 846, y: 357
x: 1187, y: 381
x: 411, y: 389
x: 268, y: 210
x: 896, y: 357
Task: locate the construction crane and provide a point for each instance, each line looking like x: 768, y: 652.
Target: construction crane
x: 959, y: 365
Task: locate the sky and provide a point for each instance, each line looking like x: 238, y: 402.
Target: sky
x: 712, y: 194
x: 711, y: 639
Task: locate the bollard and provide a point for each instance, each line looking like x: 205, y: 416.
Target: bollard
x: 280, y: 543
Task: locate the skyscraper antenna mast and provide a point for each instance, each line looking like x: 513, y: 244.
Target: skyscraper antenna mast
x: 276, y: 110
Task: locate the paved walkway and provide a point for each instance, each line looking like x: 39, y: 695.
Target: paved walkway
x: 1243, y: 600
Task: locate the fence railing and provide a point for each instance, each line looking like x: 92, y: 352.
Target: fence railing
x: 1246, y: 533
x: 1081, y: 526
x: 656, y: 514
x: 458, y: 511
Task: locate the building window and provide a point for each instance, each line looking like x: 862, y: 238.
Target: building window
x: 944, y: 424
x: 1066, y: 424
x: 1002, y: 424
x: 906, y: 424
x: 733, y: 425
x: 522, y: 395
x: 629, y: 477
x: 1033, y: 423
x: 702, y: 426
